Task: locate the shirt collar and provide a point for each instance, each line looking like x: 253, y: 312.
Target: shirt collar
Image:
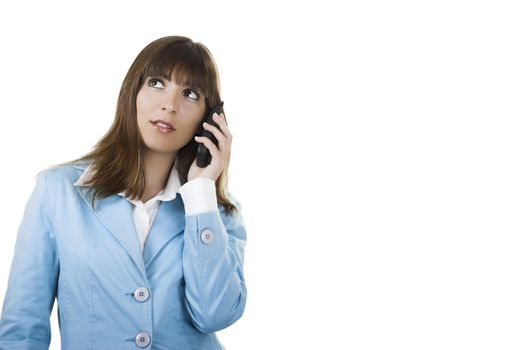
x: 168, y: 193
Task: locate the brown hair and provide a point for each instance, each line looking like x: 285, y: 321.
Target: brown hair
x: 118, y: 159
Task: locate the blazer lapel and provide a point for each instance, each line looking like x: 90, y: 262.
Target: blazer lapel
x: 168, y: 223
x: 116, y: 214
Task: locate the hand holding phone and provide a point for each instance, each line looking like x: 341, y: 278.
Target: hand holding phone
x: 203, y: 154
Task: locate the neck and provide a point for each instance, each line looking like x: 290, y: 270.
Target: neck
x: 158, y: 167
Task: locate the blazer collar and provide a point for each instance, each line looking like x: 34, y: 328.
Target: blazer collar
x: 116, y: 214
x: 167, y: 194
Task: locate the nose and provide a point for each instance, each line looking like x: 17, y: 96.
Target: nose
x: 170, y: 104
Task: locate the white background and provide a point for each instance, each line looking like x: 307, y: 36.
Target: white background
x: 378, y: 154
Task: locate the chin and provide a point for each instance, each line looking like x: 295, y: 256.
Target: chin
x: 161, y: 148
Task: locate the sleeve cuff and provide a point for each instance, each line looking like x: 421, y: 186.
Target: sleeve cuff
x: 199, y: 196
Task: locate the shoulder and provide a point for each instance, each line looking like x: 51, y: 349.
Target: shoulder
x: 59, y: 176
x: 235, y: 218
x: 233, y: 199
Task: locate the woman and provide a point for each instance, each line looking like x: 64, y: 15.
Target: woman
x: 141, y: 247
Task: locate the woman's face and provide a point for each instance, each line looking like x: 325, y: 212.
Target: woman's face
x: 163, y: 100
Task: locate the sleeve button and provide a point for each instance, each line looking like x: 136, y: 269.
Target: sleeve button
x: 207, y: 236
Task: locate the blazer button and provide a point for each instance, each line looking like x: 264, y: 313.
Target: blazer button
x: 207, y: 236
x: 142, y: 340
x: 141, y: 294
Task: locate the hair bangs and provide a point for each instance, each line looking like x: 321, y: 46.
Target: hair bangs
x: 187, y: 64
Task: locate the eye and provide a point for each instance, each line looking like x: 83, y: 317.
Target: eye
x: 152, y: 82
x: 194, y: 94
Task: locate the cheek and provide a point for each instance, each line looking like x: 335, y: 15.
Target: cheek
x: 191, y: 117
x: 144, y: 103
x: 140, y: 104
x: 190, y: 127
x: 197, y: 124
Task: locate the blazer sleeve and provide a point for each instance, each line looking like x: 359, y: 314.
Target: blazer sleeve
x: 32, y: 283
x: 213, y: 260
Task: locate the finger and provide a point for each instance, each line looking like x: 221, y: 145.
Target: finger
x: 220, y: 117
x: 217, y: 133
x: 214, y: 151
x: 221, y: 121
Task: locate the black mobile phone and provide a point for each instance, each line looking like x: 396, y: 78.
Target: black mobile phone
x: 203, y: 154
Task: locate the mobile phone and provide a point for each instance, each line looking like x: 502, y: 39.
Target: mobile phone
x: 203, y: 154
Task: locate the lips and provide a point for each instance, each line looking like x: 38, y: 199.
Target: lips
x: 163, y: 123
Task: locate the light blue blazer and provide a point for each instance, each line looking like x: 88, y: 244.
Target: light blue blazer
x: 187, y: 284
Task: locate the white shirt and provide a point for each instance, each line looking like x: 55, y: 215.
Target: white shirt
x: 198, y: 196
